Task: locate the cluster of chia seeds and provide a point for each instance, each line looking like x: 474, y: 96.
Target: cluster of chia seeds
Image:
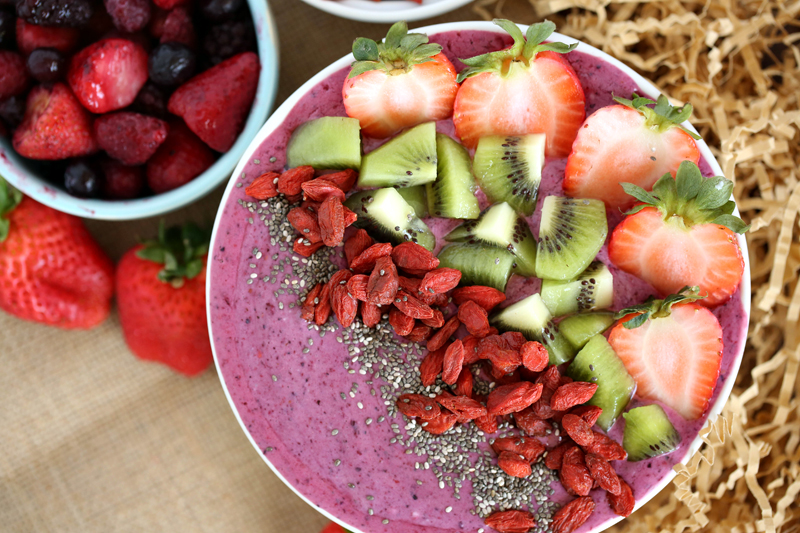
x: 460, y: 454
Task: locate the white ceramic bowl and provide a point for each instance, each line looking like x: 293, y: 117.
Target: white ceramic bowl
x: 646, y: 89
x: 386, y: 11
x: 19, y: 173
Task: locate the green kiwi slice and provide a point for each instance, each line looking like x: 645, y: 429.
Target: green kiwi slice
x: 648, y: 433
x: 593, y: 289
x: 452, y: 195
x: 501, y: 226
x: 326, y: 143
x: 571, y: 233
x: 578, y: 329
x: 416, y: 198
x: 509, y: 169
x: 407, y: 160
x: 389, y: 217
x: 479, y: 264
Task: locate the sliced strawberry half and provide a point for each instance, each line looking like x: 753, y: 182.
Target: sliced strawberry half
x: 628, y: 143
x: 527, y: 88
x: 399, y: 83
x: 673, y: 349
x: 682, y: 234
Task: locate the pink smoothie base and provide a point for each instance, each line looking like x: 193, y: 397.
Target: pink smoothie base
x: 289, y: 402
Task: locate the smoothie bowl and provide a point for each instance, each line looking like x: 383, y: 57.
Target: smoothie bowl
x: 500, y: 385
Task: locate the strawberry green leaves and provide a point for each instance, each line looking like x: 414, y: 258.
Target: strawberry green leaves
x: 9, y: 199
x: 179, y: 249
x: 523, y: 50
x: 400, y: 50
x: 662, y: 115
x: 653, y: 308
x: 690, y: 196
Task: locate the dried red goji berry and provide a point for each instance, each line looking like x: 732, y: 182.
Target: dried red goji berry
x: 419, y: 333
x: 438, y: 300
x: 370, y: 314
x: 414, y: 259
x: 440, y: 280
x: 624, y: 502
x: 470, y: 350
x: 573, y: 515
x: 436, y: 321
x: 514, y: 464
x: 289, y: 182
x: 310, y: 303
x: 556, y: 455
x: 344, y: 306
x: 577, y: 428
x: 513, y: 397
x: 318, y: 190
x: 514, y: 339
x: 466, y: 408
x: 551, y: 378
x: 487, y: 424
x: 382, y: 286
x: 410, y: 285
x: 431, y: 367
x: 402, y: 324
x: 357, y: 286
x: 323, y: 309
x: 541, y: 408
x: 441, y: 423
x: 418, y: 405
x: 453, y: 361
x: 411, y: 306
x: 340, y: 277
x: 606, y: 447
x: 441, y: 336
x: 344, y: 179
x: 263, y: 187
x: 486, y: 297
x: 534, y: 356
x: 464, y: 383
x: 590, y: 413
x: 571, y: 394
x: 357, y: 243
x: 489, y: 344
x: 511, y: 521
x: 305, y: 223
x: 530, y: 449
x: 306, y: 249
x: 533, y: 426
x: 574, y: 475
x: 474, y: 317
x: 349, y: 217
x: 331, y: 221
x: 504, y: 361
x: 365, y: 261
x: 602, y: 472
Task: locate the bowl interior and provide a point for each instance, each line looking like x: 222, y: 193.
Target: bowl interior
x: 25, y: 174
x: 386, y: 12
x: 647, y: 89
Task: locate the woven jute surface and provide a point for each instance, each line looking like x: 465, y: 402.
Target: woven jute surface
x: 95, y: 440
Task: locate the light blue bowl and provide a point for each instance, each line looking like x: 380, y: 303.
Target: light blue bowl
x: 21, y: 174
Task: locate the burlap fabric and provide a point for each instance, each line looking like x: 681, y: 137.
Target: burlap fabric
x: 93, y: 440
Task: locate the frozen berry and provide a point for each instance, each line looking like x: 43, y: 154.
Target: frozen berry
x: 13, y: 75
x: 219, y: 10
x: 178, y: 28
x: 46, y: 65
x: 181, y: 158
x: 130, y: 138
x: 129, y: 15
x: 80, y: 179
x: 229, y: 39
x: 7, y: 23
x: 171, y: 64
x: 12, y: 111
x: 30, y: 37
x: 69, y: 13
x: 121, y: 182
x: 151, y: 100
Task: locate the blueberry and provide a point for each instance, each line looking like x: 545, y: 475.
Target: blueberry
x: 218, y: 10
x: 151, y: 100
x: 46, y: 65
x: 171, y: 64
x: 12, y: 111
x: 80, y: 179
x: 7, y: 29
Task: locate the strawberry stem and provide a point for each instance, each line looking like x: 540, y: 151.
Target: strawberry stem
x: 9, y: 200
x: 396, y: 54
x: 653, y: 308
x: 179, y: 249
x: 662, y: 116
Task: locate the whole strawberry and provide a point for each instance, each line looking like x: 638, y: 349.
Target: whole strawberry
x: 162, y: 300
x: 51, y: 270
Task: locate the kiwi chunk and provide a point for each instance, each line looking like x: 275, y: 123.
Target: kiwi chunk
x: 415, y: 196
x: 578, y: 329
x: 509, y: 169
x: 479, y: 264
x: 452, y: 195
x: 648, y: 433
x: 532, y: 318
x: 571, y: 233
x: 593, y: 289
x: 407, y: 160
x: 597, y: 362
x: 501, y: 226
x: 389, y: 217
x: 326, y: 143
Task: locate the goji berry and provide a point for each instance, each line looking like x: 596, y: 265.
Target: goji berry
x: 505, y: 379
x: 349, y: 217
x: 431, y: 367
x: 573, y: 515
x: 577, y: 428
x: 486, y: 297
x: 365, y: 261
x: 306, y: 249
x: 489, y: 344
x: 305, y: 223
x: 357, y: 243
x: 571, y: 394
x: 344, y: 306
x: 318, y: 190
x: 419, y: 333
x: 512, y: 398
x: 402, y: 324
x: 474, y: 318
x: 464, y: 383
x: 440, y: 280
x: 504, y: 361
x: 323, y: 309
x: 574, y: 475
x: 310, y: 303
x: 453, y: 361
x: 556, y: 455
x: 439, y: 300
x: 563, y: 380
x: 590, y: 413
x: 289, y: 183
x: 414, y: 259
x: 441, y: 423
x: 357, y: 287
x: 530, y: 449
x: 311, y: 207
x: 602, y: 472
x: 551, y: 378
x: 514, y: 339
x: 411, y: 306
x: 534, y: 356
x: 344, y: 179
x: 470, y: 350
x: 436, y: 321
x: 466, y: 408
x: 606, y: 447
x: 440, y: 337
x: 624, y: 502
x: 418, y: 405
x: 541, y: 409
x: 411, y: 285
x: 514, y: 464
x: 511, y: 521
x: 370, y: 314
x: 487, y: 424
x: 382, y: 286
x: 340, y: 277
x: 331, y: 221
x: 533, y: 426
x: 263, y: 187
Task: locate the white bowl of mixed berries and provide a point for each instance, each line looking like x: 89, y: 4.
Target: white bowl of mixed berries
x: 387, y: 10
x: 125, y: 109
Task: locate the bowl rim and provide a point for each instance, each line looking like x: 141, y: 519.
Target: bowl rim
x: 647, y: 89
x: 57, y: 198
x: 386, y: 12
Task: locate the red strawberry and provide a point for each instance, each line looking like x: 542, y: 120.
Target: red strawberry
x: 14, y: 76
x: 55, y: 126
x: 30, y: 37
x: 215, y: 103
x: 180, y: 159
x: 673, y: 349
x: 169, y: 4
x: 108, y: 74
x: 628, y: 143
x: 130, y: 138
x: 129, y: 15
x: 399, y: 83
x: 162, y: 309
x: 527, y: 88
x: 178, y: 28
x: 333, y: 528
x: 51, y: 270
x: 121, y: 182
x: 682, y: 234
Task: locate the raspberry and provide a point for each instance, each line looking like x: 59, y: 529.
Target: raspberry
x: 417, y: 405
x: 512, y: 398
x: 453, y: 361
x: 129, y: 15
x: 573, y: 515
x: 382, y: 286
x: 130, y: 138
x: 121, y: 182
x: 603, y: 473
x: 13, y: 75
x: 624, y: 502
x: 577, y: 428
x: 228, y: 39
x: 178, y: 28
x: 511, y: 521
x: 572, y: 394
x: 514, y: 464
x: 69, y: 13
x: 402, y: 324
